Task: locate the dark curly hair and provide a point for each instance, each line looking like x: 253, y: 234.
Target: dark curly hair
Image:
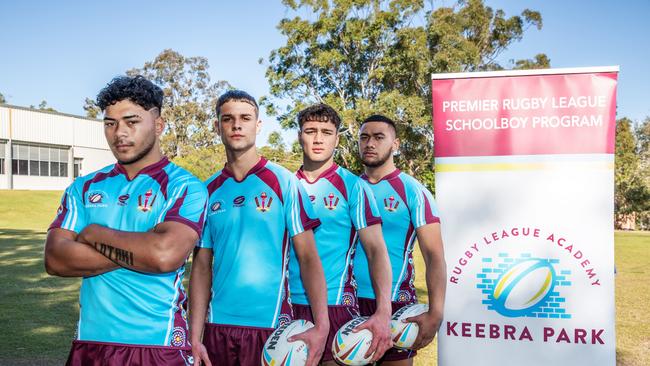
x: 321, y: 113
x: 137, y: 89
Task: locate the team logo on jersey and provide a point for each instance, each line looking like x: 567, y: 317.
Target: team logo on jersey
x: 263, y: 202
x: 347, y: 299
x: 391, y: 204
x: 284, y: 319
x: 331, y: 201
x: 312, y: 198
x: 122, y: 200
x: 238, y: 201
x: 404, y: 296
x: 96, y: 199
x: 146, y: 201
x: 178, y: 337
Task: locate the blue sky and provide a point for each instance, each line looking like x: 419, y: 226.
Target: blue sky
x: 64, y: 51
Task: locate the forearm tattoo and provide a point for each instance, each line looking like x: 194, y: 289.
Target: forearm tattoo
x: 117, y: 255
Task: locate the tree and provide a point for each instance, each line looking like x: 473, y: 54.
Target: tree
x: 376, y: 56
x: 541, y: 61
x: 190, y: 100
x: 276, y: 141
x: 91, y: 108
x: 642, y: 134
x: 2, y: 99
x: 276, y: 151
x: 632, y: 195
x: 42, y: 106
x: 204, y: 161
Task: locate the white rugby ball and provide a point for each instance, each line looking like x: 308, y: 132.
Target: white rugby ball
x: 349, y: 347
x: 404, y: 334
x: 279, y: 351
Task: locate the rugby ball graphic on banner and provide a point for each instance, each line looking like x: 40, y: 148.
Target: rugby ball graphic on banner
x: 278, y: 351
x: 349, y: 347
x: 523, y: 287
x: 402, y: 333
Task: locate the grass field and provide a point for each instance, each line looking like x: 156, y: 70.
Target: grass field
x: 39, y: 313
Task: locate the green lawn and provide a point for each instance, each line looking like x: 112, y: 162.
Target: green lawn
x: 39, y: 312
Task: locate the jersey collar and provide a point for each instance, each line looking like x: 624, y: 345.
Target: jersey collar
x: 388, y: 176
x: 329, y: 171
x: 256, y: 168
x: 148, y: 170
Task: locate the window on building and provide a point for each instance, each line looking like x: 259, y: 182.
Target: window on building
x: 3, y: 145
x: 77, y: 167
x: 39, y: 160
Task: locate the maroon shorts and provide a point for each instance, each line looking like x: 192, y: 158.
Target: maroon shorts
x: 235, y: 345
x: 338, y: 314
x: 87, y: 353
x: 367, y: 307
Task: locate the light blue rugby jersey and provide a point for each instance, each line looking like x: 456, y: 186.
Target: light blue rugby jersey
x: 248, y: 227
x: 344, y: 204
x: 125, y: 306
x: 405, y: 205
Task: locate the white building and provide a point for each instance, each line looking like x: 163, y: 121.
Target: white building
x: 47, y: 150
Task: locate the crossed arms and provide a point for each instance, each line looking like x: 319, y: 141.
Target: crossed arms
x: 98, y: 249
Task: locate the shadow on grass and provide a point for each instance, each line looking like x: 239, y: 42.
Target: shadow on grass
x: 39, y: 312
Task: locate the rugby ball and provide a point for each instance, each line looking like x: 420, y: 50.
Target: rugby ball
x: 278, y: 351
x: 348, y: 347
x: 403, y: 333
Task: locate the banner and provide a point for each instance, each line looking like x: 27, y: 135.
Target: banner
x: 525, y: 186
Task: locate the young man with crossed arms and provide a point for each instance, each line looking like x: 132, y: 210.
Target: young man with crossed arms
x: 127, y: 230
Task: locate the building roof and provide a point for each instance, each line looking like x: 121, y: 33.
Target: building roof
x: 49, y: 112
